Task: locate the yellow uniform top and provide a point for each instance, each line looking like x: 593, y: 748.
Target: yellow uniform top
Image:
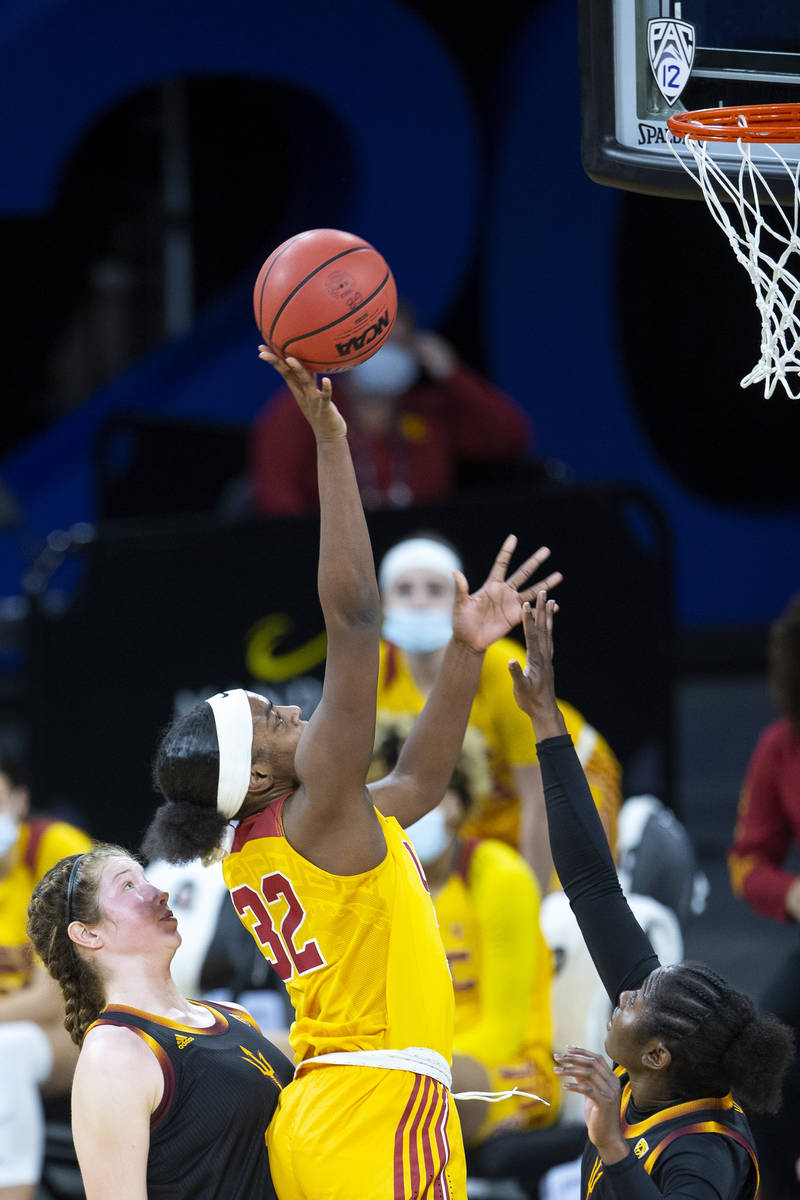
x: 41, y: 843
x: 488, y: 914
x: 361, y: 955
x: 510, y: 740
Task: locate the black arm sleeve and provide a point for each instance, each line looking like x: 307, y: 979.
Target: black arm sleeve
x: 620, y: 949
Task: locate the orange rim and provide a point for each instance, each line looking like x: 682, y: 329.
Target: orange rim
x: 765, y: 123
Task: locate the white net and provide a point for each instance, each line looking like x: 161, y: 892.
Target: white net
x: 768, y: 249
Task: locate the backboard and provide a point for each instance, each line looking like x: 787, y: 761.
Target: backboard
x: 644, y: 60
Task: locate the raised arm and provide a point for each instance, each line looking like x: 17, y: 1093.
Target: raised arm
x: 429, y: 754
x: 620, y: 949
x: 330, y: 819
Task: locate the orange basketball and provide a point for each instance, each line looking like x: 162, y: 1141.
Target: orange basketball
x: 327, y: 298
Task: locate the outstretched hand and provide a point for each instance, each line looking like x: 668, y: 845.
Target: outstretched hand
x: 534, y: 687
x: 594, y: 1079
x: 313, y: 400
x: 488, y: 614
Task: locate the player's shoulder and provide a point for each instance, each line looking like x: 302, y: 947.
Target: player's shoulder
x: 110, y: 1048
x: 712, y: 1158
x: 780, y: 735
x: 495, y: 859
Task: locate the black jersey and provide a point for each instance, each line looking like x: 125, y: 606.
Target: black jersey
x: 699, y: 1148
x: 731, y: 1163
x: 221, y: 1086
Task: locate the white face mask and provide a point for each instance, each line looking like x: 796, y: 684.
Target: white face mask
x: 417, y: 632
x: 9, y: 829
x: 390, y: 371
x: 430, y: 836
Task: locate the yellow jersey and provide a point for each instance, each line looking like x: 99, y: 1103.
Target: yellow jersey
x: 488, y: 912
x: 360, y: 955
x: 40, y: 844
x: 509, y: 738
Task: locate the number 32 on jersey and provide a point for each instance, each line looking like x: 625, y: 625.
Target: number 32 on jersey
x: 279, y: 935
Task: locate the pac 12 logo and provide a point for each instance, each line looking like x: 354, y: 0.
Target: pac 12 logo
x: 670, y: 48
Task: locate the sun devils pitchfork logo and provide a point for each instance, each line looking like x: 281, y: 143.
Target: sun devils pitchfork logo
x: 670, y: 48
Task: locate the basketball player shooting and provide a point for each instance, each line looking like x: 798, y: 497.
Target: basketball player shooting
x: 321, y: 871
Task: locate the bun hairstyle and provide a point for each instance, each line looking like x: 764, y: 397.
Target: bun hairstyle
x: 186, y: 773
x: 80, y: 982
x: 718, y: 1040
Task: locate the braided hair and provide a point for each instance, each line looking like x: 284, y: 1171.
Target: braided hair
x: 48, y: 921
x: 186, y: 773
x: 718, y: 1041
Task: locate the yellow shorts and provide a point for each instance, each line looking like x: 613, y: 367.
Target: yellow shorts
x: 347, y: 1132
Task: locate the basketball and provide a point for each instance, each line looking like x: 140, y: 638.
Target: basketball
x: 327, y: 298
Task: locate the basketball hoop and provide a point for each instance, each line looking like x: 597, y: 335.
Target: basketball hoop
x: 746, y: 191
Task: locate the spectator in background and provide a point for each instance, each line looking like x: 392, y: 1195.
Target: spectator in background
x: 767, y: 828
x: 487, y: 905
x: 413, y: 413
x: 36, y: 1052
x: 417, y: 591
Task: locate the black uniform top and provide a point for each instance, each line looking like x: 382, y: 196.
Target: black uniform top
x: 221, y: 1086
x: 701, y: 1149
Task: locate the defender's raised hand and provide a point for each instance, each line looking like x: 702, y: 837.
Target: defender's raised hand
x: 594, y: 1079
x: 313, y: 400
x: 534, y: 687
x: 488, y: 614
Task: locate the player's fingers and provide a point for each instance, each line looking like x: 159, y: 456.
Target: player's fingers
x: 462, y: 587
x: 326, y: 388
x: 528, y: 624
x: 552, y: 580
x: 585, y: 1089
x: 529, y: 566
x: 580, y: 1057
x: 500, y: 564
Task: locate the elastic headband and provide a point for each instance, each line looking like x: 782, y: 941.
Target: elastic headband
x: 72, y: 884
x: 234, y: 723
x: 414, y: 553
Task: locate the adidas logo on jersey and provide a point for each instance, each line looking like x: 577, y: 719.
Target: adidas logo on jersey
x: 641, y: 1148
x: 183, y: 1040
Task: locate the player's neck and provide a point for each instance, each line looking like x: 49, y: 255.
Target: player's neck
x: 148, y: 988
x: 425, y: 667
x: 652, y: 1090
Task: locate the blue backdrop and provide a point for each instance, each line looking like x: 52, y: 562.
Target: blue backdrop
x: 435, y: 191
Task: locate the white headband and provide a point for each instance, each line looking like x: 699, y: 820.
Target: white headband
x: 414, y: 553
x: 234, y: 723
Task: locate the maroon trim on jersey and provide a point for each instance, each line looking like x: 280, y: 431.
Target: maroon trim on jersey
x: 468, y: 848
x: 220, y: 1024
x: 264, y: 824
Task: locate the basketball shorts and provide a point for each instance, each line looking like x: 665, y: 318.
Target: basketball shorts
x: 352, y: 1132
